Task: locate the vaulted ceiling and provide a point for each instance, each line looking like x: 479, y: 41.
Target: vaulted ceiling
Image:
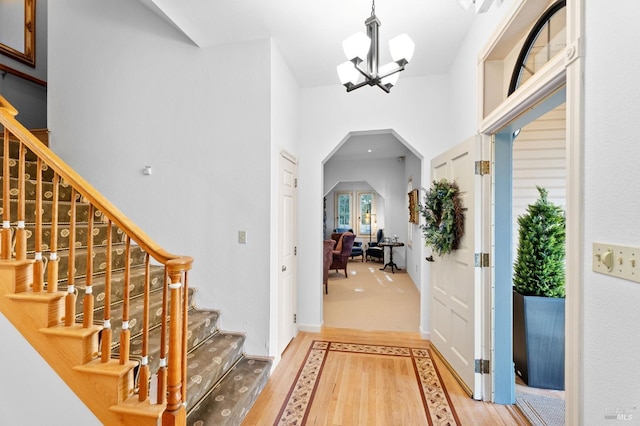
x: 310, y: 34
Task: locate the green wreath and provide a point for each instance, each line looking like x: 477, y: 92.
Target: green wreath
x: 444, y: 217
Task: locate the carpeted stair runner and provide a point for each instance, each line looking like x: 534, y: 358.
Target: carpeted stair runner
x: 223, y: 382
x: 230, y: 400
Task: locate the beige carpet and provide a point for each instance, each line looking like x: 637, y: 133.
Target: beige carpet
x: 371, y: 299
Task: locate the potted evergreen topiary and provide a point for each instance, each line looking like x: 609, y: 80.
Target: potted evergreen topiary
x: 538, y: 296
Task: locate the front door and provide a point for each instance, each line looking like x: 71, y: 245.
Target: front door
x: 286, y: 250
x: 457, y: 294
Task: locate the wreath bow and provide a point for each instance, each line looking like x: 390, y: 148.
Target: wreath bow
x: 444, y: 217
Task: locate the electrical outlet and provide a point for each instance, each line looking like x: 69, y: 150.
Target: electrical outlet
x: 619, y: 261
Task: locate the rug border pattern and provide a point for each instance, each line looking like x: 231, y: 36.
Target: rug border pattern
x: 435, y: 399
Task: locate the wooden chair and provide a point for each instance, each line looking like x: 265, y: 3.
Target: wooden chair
x: 374, y: 250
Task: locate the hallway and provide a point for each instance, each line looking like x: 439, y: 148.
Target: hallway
x: 469, y: 412
x: 371, y: 299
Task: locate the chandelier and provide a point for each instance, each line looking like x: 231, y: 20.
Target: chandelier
x: 354, y: 74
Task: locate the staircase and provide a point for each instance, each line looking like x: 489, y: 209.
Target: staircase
x: 109, y: 310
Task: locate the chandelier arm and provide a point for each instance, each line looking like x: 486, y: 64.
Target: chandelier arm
x: 385, y: 87
x: 393, y: 71
x: 356, y: 64
x: 351, y: 86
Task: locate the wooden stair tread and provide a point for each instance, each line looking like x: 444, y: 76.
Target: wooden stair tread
x: 42, y: 296
x: 75, y: 330
x: 109, y: 368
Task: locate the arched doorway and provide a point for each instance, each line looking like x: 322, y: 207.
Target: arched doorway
x: 378, y: 164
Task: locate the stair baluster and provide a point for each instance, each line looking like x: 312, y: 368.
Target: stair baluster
x: 106, y: 332
x: 87, y: 317
x: 185, y: 310
x: 125, y: 334
x: 38, y: 266
x: 70, y: 299
x: 143, y: 380
x: 21, y: 233
x: 175, y: 412
x: 162, y: 369
x: 6, y: 202
x: 52, y: 267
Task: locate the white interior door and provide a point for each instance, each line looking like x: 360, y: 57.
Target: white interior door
x: 457, y: 325
x: 287, y: 250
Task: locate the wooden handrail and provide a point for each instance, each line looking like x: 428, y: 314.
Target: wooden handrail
x: 9, y: 70
x: 171, y: 375
x: 7, y: 113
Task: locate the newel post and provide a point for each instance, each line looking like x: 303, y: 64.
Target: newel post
x: 175, y: 414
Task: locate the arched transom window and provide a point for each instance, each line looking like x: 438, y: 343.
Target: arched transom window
x: 546, y: 39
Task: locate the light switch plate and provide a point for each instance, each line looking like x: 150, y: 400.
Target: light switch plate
x: 242, y: 237
x: 625, y: 261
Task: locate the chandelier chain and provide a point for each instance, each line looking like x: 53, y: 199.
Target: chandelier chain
x: 373, y: 8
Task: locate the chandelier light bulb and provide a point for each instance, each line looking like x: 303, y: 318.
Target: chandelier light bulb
x: 390, y: 79
x: 402, y: 47
x: 356, y: 46
x: 347, y: 73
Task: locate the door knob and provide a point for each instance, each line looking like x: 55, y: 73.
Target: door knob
x: 284, y: 268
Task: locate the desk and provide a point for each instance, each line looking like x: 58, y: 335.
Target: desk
x: 391, y: 245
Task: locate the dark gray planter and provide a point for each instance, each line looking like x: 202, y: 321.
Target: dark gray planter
x: 538, y: 340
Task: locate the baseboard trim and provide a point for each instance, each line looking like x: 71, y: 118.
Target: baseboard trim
x: 454, y: 373
x: 425, y: 335
x: 310, y: 328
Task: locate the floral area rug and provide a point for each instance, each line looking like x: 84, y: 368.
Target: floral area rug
x: 296, y: 409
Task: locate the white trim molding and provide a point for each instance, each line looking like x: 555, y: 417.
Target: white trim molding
x: 574, y: 339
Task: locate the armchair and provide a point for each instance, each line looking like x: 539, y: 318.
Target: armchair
x: 374, y: 250
x: 342, y: 251
x: 327, y: 257
x: 356, y: 250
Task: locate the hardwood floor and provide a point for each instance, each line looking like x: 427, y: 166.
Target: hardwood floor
x: 266, y: 409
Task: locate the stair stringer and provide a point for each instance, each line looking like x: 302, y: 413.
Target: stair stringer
x: 71, y: 352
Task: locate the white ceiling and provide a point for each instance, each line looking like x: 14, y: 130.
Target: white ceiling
x: 309, y: 34
x: 371, y: 146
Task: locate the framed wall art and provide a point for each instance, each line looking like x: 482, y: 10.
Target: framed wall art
x: 413, y: 206
x: 18, y: 30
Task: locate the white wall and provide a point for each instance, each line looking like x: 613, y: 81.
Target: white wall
x: 127, y: 90
x: 30, y: 99
x: 32, y: 393
x: 416, y: 109
x: 285, y: 102
x: 611, y: 205
x: 463, y: 74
